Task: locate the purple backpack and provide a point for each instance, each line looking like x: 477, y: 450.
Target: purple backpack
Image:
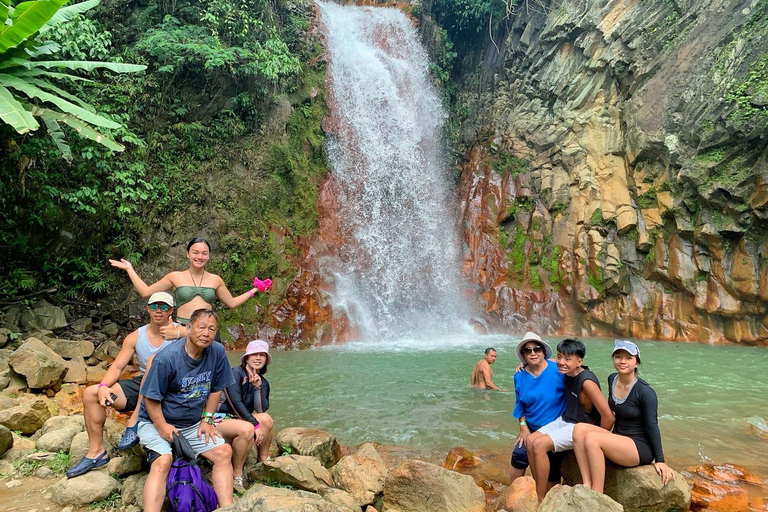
x: 186, y: 488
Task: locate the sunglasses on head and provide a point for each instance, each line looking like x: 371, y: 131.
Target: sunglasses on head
x: 156, y: 305
x: 530, y: 350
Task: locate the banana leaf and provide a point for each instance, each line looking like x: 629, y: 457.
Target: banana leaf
x: 61, y: 92
x: 84, y: 65
x: 34, y: 92
x: 84, y: 130
x: 69, y: 12
x: 46, y: 74
x: 13, y: 113
x: 54, y: 130
x: 28, y: 18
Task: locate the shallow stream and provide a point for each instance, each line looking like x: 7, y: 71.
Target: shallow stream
x: 415, y: 394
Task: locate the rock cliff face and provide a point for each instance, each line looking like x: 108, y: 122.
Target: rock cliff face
x: 617, y: 176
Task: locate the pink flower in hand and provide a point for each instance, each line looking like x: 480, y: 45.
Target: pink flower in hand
x: 260, y: 285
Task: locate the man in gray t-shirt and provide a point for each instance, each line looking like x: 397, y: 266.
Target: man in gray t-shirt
x: 181, y: 392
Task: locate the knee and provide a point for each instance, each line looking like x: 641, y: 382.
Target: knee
x: 592, y: 441
x: 91, y: 394
x: 578, y: 433
x: 162, y: 465
x: 222, y: 453
x: 265, y: 420
x: 538, y: 445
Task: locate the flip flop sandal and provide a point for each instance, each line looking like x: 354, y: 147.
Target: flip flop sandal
x: 130, y: 438
x: 85, y: 465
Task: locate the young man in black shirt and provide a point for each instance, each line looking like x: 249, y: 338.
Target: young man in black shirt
x: 584, y: 403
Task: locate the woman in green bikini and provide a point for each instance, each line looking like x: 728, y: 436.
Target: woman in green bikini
x: 193, y: 288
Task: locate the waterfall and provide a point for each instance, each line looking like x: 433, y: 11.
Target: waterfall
x: 400, y: 270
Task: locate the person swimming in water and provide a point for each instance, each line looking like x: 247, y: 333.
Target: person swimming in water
x: 193, y: 288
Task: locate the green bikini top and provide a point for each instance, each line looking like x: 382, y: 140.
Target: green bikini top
x: 184, y: 294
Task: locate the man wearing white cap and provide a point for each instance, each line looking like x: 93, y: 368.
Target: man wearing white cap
x: 122, y: 395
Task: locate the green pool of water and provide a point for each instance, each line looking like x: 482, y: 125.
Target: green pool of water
x: 713, y: 400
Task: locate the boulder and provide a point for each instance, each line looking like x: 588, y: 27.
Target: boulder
x: 82, y: 325
x: 563, y: 498
x: 125, y: 465
x: 520, y: 496
x: 59, y: 439
x: 300, y: 471
x: 416, y: 486
x: 76, y: 371
x: 43, y: 316
x: 79, y: 447
x: 6, y: 440
x: 110, y: 329
x: 273, y: 499
x: 718, y: 497
x: 69, y: 349
x: 133, y: 490
x: 5, y: 336
x: 362, y: 475
x: 340, y: 498
x: 310, y: 442
x: 7, y: 402
x: 94, y: 374
x: 637, y: 489
x: 27, y: 417
x: 85, y: 489
x: 69, y: 397
x: 63, y: 422
x: 40, y: 365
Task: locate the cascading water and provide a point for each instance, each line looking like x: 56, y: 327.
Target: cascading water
x: 399, y: 273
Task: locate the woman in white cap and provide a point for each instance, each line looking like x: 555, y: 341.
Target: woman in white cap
x: 635, y: 440
x: 247, y: 400
x: 539, y: 399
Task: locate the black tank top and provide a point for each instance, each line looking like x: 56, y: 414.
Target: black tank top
x: 574, y: 412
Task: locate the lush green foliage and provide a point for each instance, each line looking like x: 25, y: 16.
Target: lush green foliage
x: 202, y: 152
x: 27, y: 91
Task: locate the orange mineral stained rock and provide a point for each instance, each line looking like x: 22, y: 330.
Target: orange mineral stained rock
x: 459, y: 458
x: 714, y: 497
x: 725, y: 473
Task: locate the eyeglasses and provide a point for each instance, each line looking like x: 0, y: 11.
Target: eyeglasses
x: 163, y: 307
x: 531, y: 350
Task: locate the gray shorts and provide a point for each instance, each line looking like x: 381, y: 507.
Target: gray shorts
x: 561, y: 434
x: 150, y: 439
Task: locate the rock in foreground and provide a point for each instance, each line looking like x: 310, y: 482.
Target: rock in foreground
x: 416, y: 486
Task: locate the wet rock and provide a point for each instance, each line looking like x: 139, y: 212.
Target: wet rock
x: 40, y: 365
x: 520, y: 496
x: 69, y: 349
x: 362, y: 475
x: 27, y: 417
x: 311, y: 442
x: 85, y: 489
x: 272, y: 499
x: 563, y: 498
x: 300, y: 471
x: 6, y: 440
x: 725, y: 473
x: 718, y: 497
x: 416, y: 486
x: 459, y: 458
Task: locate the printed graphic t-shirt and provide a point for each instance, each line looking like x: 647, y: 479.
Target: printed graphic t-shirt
x: 182, y: 384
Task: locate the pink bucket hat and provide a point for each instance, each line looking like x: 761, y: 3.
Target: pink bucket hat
x: 256, y: 347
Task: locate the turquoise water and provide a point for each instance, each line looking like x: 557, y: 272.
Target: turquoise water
x: 415, y: 394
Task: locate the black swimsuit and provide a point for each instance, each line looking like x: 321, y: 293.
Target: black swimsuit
x: 637, y: 418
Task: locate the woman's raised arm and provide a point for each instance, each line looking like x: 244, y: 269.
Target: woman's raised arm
x: 163, y: 285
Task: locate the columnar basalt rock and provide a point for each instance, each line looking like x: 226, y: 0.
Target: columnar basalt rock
x: 646, y: 164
